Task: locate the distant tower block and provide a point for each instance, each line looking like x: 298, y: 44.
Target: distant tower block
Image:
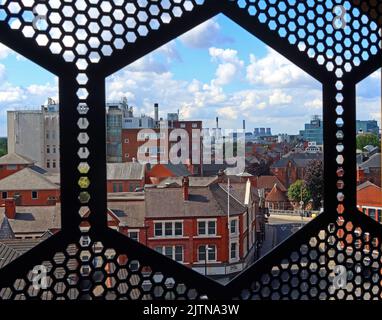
x: 257, y: 131
x: 269, y: 133
x: 262, y: 131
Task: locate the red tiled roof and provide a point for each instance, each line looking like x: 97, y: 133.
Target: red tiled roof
x: 276, y: 195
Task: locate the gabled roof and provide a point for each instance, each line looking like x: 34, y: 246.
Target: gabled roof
x: 367, y: 184
x: 299, y: 159
x: 276, y: 195
x: 14, y: 158
x: 179, y: 170
x: 373, y: 162
x: 268, y: 182
x: 209, y: 201
x: 6, y: 231
x: 34, y: 220
x: 125, y: 171
x: 26, y: 179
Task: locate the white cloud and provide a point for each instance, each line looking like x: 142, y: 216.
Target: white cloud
x: 205, y: 35
x: 276, y: 71
x: 279, y: 97
x: 229, y: 65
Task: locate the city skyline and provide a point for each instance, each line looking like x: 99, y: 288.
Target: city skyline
x: 234, y: 81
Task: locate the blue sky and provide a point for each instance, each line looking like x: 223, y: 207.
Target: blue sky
x: 217, y: 69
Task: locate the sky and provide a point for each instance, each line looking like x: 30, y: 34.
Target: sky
x: 217, y: 69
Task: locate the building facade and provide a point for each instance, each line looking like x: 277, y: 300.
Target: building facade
x: 314, y: 131
x: 35, y: 135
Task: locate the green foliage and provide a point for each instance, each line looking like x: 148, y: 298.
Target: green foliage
x: 3, y: 146
x: 366, y: 139
x: 298, y: 189
x: 314, y: 180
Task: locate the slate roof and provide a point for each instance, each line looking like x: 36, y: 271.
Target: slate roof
x: 373, y: 162
x: 179, y: 170
x: 125, y: 171
x: 14, y: 158
x: 6, y: 231
x: 12, y: 249
x: 300, y: 159
x: 26, y: 179
x: 129, y: 213
x: 210, y: 201
x: 34, y: 220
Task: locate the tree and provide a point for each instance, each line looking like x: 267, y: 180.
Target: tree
x: 365, y: 139
x: 297, y: 191
x: 314, y: 180
x: 3, y: 146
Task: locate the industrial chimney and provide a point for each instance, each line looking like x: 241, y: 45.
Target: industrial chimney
x: 156, y: 113
x: 186, y: 185
x: 217, y: 122
x: 244, y: 125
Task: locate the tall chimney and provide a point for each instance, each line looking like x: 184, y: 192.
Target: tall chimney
x: 217, y: 122
x: 10, y: 208
x: 244, y: 125
x: 185, y: 185
x: 156, y: 113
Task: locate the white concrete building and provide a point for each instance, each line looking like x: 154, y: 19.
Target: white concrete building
x: 35, y: 134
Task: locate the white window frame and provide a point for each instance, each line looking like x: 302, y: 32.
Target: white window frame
x: 236, y: 220
x: 173, y: 222
x: 133, y: 231
x: 162, y: 250
x: 206, y: 221
x: 34, y: 198
x: 207, y: 252
x: 236, y: 258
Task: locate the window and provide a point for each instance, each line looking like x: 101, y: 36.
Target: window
x: 4, y: 195
x: 158, y: 227
x: 117, y: 187
x: 48, y: 149
x: 379, y: 214
x: 206, y: 227
x: 47, y: 134
x: 127, y: 155
x: 48, y: 164
x: 372, y: 213
x: 34, y: 195
x: 211, y: 253
x: 182, y: 125
x: 178, y: 228
x: 126, y: 140
x: 134, y: 235
x: 234, y: 251
x: 194, y: 125
x: 170, y: 229
x: 11, y: 167
x: 54, y: 149
x: 234, y: 226
x: 173, y: 252
x: 54, y: 165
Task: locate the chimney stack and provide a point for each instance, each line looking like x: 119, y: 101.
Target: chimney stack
x: 244, y: 125
x: 217, y: 122
x: 186, y: 185
x: 156, y: 113
x: 10, y: 208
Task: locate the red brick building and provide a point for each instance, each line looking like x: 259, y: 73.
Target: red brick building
x: 11, y: 163
x: 29, y: 188
x: 134, y: 139
x: 159, y: 172
x: 125, y: 177
x: 185, y: 222
x: 369, y: 200
x: 292, y: 167
x: 370, y: 170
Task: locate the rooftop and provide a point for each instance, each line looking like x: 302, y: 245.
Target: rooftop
x: 194, y: 181
x: 27, y: 179
x: 209, y: 201
x: 125, y: 171
x: 14, y: 158
x: 373, y: 162
x: 34, y: 220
